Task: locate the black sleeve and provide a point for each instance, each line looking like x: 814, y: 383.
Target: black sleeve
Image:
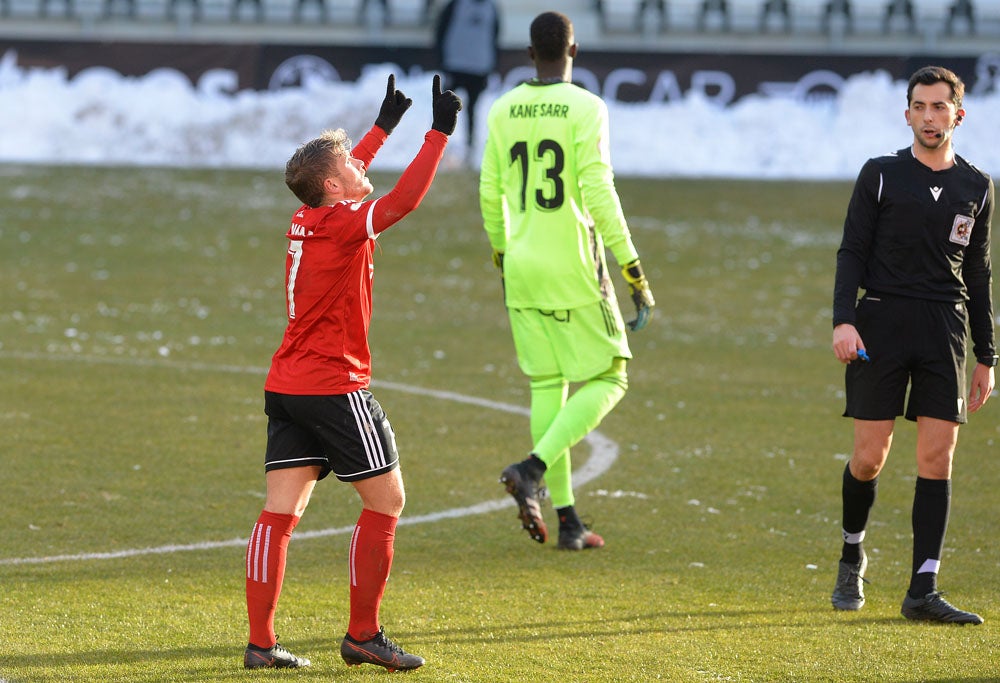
x: 978, y: 277
x: 859, y: 229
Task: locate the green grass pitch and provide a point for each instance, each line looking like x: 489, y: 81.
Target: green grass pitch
x: 140, y: 310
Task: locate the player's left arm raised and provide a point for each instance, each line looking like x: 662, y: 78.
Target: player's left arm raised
x: 416, y: 179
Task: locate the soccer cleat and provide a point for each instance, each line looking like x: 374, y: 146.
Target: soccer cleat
x: 379, y: 651
x: 849, y: 592
x: 932, y: 607
x: 578, y: 538
x: 524, y: 489
x: 275, y: 657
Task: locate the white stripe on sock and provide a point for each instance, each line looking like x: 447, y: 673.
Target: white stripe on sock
x: 929, y: 567
x: 855, y: 538
x: 267, y: 550
x: 354, y: 548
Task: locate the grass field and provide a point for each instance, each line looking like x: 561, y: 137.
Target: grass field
x: 140, y: 310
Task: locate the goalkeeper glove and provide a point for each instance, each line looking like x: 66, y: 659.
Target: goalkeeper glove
x: 642, y: 297
x: 393, y: 107
x: 445, y: 106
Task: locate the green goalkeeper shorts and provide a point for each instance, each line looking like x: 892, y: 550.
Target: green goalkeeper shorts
x: 577, y: 344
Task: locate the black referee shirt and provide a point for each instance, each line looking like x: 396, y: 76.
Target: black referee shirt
x: 911, y: 231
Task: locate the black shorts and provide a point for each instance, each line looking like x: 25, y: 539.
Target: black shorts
x: 911, y: 342
x: 347, y: 434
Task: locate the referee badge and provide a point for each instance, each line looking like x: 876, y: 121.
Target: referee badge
x: 961, y: 230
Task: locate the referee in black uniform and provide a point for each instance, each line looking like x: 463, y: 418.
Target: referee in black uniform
x: 917, y: 241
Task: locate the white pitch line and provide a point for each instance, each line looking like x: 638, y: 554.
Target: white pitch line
x: 603, y: 453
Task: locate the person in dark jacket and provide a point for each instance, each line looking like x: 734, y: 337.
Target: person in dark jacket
x: 466, y: 39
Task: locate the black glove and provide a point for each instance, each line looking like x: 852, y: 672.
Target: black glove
x: 446, y: 106
x: 642, y: 297
x: 393, y: 107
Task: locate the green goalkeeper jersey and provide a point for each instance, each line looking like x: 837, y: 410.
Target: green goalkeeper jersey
x: 548, y: 197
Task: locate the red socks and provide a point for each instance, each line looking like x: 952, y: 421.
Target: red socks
x: 265, y: 560
x: 369, y: 563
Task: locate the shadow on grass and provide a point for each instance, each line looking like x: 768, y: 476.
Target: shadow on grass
x: 664, y: 621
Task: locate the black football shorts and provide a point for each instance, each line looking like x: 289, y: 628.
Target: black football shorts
x: 347, y: 434
x: 912, y: 343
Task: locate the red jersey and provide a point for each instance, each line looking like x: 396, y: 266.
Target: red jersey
x: 328, y: 279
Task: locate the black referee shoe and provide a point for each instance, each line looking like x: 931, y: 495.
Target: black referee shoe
x: 849, y: 593
x: 275, y: 657
x: 932, y: 607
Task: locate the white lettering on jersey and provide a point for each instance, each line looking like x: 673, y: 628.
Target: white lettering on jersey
x: 295, y: 251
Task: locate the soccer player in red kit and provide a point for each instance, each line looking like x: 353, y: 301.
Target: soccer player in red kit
x: 321, y: 416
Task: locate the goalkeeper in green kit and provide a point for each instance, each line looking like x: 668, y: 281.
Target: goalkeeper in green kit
x: 550, y: 209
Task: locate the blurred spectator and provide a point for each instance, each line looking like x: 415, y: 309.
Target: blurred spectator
x: 386, y: 11
x: 258, y: 9
x: 194, y: 6
x: 109, y: 8
x: 43, y: 9
x: 779, y: 7
x: 841, y: 8
x: 709, y: 7
x: 658, y: 6
x: 900, y: 7
x: 466, y: 43
x: 961, y: 9
x: 428, y: 12
x: 300, y: 6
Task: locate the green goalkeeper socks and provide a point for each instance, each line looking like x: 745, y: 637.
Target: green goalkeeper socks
x: 548, y: 396
x: 570, y: 423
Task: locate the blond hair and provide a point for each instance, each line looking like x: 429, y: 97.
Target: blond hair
x: 313, y: 162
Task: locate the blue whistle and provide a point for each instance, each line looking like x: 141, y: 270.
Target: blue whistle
x: 863, y: 355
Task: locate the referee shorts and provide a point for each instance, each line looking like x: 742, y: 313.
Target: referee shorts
x: 911, y: 342
x: 347, y: 434
x: 577, y: 344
